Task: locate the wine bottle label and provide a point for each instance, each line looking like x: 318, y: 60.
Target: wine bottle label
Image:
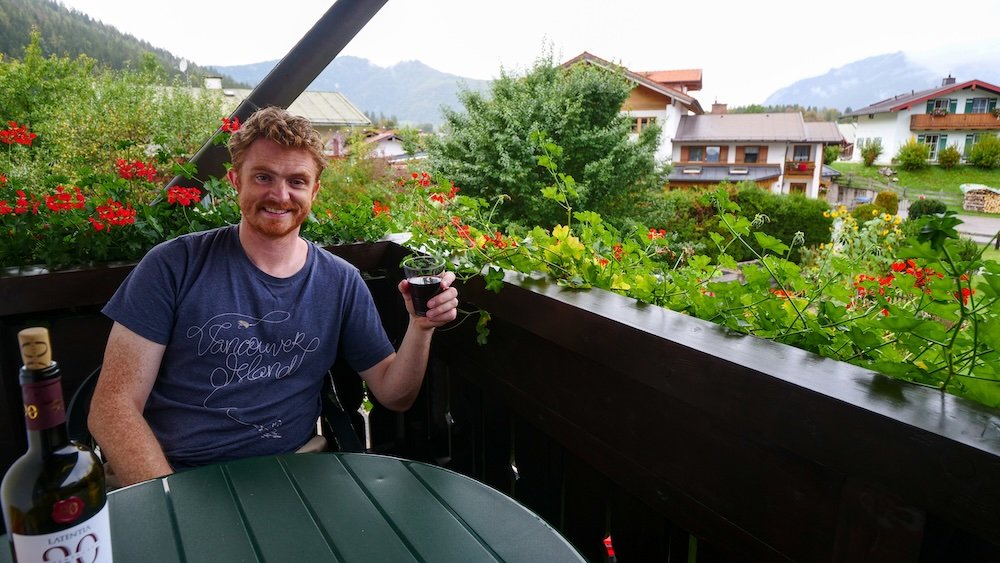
x: 43, y: 404
x: 87, y: 542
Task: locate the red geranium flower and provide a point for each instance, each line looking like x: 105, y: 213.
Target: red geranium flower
x: 230, y: 125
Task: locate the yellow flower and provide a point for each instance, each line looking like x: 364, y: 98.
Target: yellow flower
x: 885, y: 232
x: 834, y: 214
x: 874, y: 212
x: 898, y: 219
x: 887, y: 217
x: 826, y: 214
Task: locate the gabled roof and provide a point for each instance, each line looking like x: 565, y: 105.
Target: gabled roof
x: 690, y: 103
x: 383, y: 136
x: 321, y: 108
x: 915, y: 98
x: 754, y: 127
x: 684, y: 79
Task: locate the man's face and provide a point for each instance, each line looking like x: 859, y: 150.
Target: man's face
x: 276, y: 187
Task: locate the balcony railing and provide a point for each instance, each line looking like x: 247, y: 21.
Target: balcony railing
x: 606, y: 416
x: 954, y: 121
x: 796, y: 168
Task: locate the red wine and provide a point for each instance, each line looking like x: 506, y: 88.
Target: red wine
x: 422, y: 288
x: 54, y: 502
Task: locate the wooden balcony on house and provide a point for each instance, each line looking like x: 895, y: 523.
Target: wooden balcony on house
x: 679, y: 439
x: 796, y: 168
x: 954, y: 121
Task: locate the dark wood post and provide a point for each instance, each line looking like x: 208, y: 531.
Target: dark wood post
x: 292, y: 75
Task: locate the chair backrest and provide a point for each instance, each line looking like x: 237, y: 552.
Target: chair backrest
x: 78, y: 408
x: 336, y: 416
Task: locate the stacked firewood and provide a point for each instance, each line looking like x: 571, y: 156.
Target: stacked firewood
x: 992, y: 203
x: 981, y: 200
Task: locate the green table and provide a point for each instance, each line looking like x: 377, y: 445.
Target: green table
x: 325, y: 507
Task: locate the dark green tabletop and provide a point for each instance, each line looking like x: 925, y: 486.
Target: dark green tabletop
x: 325, y: 507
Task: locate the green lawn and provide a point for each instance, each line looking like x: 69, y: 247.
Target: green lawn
x: 928, y: 180
x: 991, y: 253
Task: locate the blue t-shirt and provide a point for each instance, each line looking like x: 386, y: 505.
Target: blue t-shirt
x: 246, y: 352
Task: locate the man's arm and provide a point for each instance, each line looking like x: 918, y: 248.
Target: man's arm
x: 396, y: 380
x: 130, y: 366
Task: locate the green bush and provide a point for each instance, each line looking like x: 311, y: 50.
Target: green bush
x: 865, y: 212
x: 913, y: 155
x: 488, y: 148
x: 887, y: 201
x: 923, y: 207
x: 986, y: 152
x: 786, y: 217
x: 871, y: 149
x: 830, y: 154
x: 687, y: 215
x: 949, y: 157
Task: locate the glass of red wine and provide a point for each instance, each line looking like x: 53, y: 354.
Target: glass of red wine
x: 423, y: 272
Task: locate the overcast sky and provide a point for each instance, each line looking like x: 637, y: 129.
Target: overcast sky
x: 746, y: 50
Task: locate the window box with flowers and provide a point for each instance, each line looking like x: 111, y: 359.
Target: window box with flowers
x: 939, y: 112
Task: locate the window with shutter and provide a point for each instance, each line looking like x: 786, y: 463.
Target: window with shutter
x: 952, y: 105
x: 969, y: 105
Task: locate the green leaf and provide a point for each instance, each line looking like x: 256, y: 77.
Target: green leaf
x: 494, y: 279
x: 767, y: 242
x: 554, y: 194
x: 728, y: 262
x: 482, y: 327
x: 899, y: 322
x: 699, y: 262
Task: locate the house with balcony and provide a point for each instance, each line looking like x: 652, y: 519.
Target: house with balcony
x: 954, y: 113
x: 660, y: 97
x: 780, y: 152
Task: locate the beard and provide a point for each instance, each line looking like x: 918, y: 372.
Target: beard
x: 269, y: 225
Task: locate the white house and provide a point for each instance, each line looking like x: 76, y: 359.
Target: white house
x: 659, y: 97
x: 952, y: 114
x: 780, y: 152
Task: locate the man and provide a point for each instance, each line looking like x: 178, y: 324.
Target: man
x: 222, y: 338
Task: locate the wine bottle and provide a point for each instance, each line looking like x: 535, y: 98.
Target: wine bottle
x: 54, y: 501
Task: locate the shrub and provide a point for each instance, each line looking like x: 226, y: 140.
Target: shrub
x: 488, y: 147
x: 786, y: 217
x: 923, y: 207
x: 986, y: 152
x: 865, y: 212
x: 913, y: 155
x: 830, y: 154
x: 949, y: 157
x: 871, y: 149
x: 887, y: 201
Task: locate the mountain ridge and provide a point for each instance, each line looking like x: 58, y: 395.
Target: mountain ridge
x: 409, y: 90
x: 851, y: 87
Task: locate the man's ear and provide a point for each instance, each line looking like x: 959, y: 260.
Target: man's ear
x: 315, y: 190
x: 234, y: 179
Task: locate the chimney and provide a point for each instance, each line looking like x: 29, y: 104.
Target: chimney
x: 948, y: 81
x: 213, y: 83
x: 718, y: 108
